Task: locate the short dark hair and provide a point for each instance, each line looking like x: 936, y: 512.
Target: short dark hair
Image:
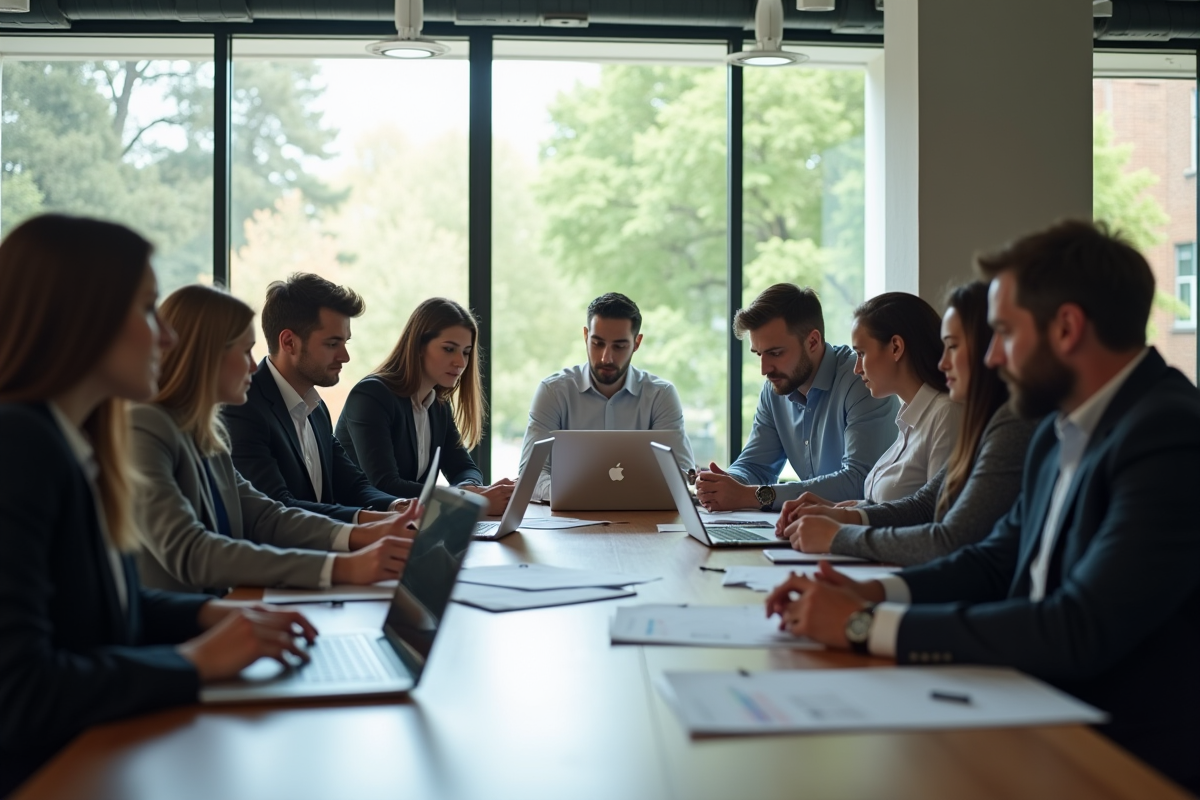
x: 614, y: 305
x: 798, y: 306
x: 1080, y: 262
x: 295, y: 305
x: 913, y: 320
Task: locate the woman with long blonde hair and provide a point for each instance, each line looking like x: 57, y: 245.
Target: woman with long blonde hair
x: 81, y: 641
x: 207, y: 528
x: 426, y: 394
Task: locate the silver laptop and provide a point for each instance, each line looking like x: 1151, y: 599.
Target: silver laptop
x: 514, y: 512
x: 430, y: 476
x: 609, y: 471
x: 377, y: 662
x: 714, y: 535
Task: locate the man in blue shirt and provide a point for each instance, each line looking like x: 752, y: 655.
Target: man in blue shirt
x: 607, y: 393
x: 814, y: 412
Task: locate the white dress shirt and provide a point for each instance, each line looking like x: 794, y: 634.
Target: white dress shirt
x: 1073, y: 431
x: 298, y: 409
x: 85, y: 454
x: 928, y: 429
x: 421, y: 423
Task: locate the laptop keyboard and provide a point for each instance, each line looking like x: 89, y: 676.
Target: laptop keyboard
x: 482, y: 528
x: 342, y: 659
x: 732, y: 533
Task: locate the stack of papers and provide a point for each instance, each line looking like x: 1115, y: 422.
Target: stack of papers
x: 518, y: 586
x: 702, y: 626
x: 883, y: 698
x: 558, y: 523
x: 334, y: 594
x: 764, y: 579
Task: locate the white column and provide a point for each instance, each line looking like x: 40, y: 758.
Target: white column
x: 988, y: 130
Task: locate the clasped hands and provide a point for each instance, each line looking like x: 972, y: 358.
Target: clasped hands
x: 810, y: 522
x: 819, y: 607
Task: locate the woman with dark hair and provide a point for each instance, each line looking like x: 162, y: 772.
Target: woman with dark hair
x: 896, y: 338
x: 426, y: 394
x: 977, y: 486
x: 81, y: 641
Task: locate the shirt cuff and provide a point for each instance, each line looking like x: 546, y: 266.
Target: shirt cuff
x: 355, y: 520
x: 863, y: 516
x: 341, y: 540
x: 327, y: 572
x: 885, y: 629
x: 895, y: 590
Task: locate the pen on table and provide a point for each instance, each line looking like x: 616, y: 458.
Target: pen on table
x: 745, y: 673
x: 712, y: 569
x: 950, y: 697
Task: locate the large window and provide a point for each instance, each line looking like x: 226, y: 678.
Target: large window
x: 609, y: 175
x: 123, y: 134
x: 803, y: 195
x: 1144, y: 183
x: 327, y: 178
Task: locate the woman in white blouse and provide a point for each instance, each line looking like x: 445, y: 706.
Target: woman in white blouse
x: 897, y: 338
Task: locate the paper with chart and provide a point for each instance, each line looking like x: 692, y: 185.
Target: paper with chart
x: 881, y: 698
x: 764, y: 579
x: 796, y: 557
x: 334, y: 594
x: 497, y: 598
x: 558, y: 523
x: 701, y: 626
x: 540, y: 577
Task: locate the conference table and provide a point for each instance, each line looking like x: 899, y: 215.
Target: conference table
x: 539, y: 705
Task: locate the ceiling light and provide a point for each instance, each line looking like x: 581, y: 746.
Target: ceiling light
x: 408, y: 43
x: 768, y: 37
x: 814, y: 5
x: 14, y: 6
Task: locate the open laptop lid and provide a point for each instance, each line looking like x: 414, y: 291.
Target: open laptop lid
x: 431, y: 476
x: 679, y: 493
x: 415, y: 615
x: 514, y: 512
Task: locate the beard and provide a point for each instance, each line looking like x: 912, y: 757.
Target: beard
x: 616, y: 376
x: 314, y: 372
x: 1045, y: 384
x: 798, y: 378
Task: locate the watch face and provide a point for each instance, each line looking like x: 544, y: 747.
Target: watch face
x: 765, y: 495
x: 858, y: 627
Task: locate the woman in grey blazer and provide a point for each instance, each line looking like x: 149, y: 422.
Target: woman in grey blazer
x: 206, y: 528
x: 963, y: 501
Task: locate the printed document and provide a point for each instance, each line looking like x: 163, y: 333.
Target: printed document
x: 702, y: 626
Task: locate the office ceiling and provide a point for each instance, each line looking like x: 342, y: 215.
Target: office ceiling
x: 1131, y: 20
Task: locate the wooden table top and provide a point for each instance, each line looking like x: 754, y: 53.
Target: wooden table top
x: 538, y: 704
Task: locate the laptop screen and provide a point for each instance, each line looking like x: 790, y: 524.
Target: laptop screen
x: 424, y: 592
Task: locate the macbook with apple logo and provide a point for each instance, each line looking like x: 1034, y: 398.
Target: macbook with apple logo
x: 609, y: 471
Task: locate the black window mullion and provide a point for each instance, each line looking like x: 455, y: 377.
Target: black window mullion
x: 479, y: 237
x: 733, y: 235
x: 222, y: 154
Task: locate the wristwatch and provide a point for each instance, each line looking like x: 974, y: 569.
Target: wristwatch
x: 765, y: 496
x: 858, y: 629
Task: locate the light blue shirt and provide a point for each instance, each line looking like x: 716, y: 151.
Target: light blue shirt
x: 567, y: 401
x: 832, y: 437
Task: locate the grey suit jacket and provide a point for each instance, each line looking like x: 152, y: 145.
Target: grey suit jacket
x: 178, y: 519
x: 907, y: 531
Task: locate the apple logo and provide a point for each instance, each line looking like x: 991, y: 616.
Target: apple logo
x: 616, y: 473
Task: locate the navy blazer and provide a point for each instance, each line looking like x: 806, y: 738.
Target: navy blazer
x: 1119, y: 626
x: 379, y: 433
x: 69, y: 657
x: 266, y: 452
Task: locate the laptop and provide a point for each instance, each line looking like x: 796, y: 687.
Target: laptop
x: 609, y: 471
x: 430, y: 476
x: 377, y: 662
x: 514, y: 512
x: 714, y: 535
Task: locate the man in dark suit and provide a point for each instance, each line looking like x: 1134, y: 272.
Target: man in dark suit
x: 1092, y: 581
x: 282, y: 437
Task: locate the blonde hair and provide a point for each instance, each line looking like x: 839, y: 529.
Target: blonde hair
x: 67, y: 286
x: 207, y: 321
x: 401, y: 370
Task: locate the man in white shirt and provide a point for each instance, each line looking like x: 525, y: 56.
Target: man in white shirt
x: 607, y: 393
x: 1092, y: 581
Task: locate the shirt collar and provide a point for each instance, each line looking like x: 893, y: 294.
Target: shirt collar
x: 291, y: 398
x: 1087, y: 416
x: 633, y: 380
x: 911, y: 414
x: 82, y: 449
x: 427, y: 402
x: 823, y: 380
